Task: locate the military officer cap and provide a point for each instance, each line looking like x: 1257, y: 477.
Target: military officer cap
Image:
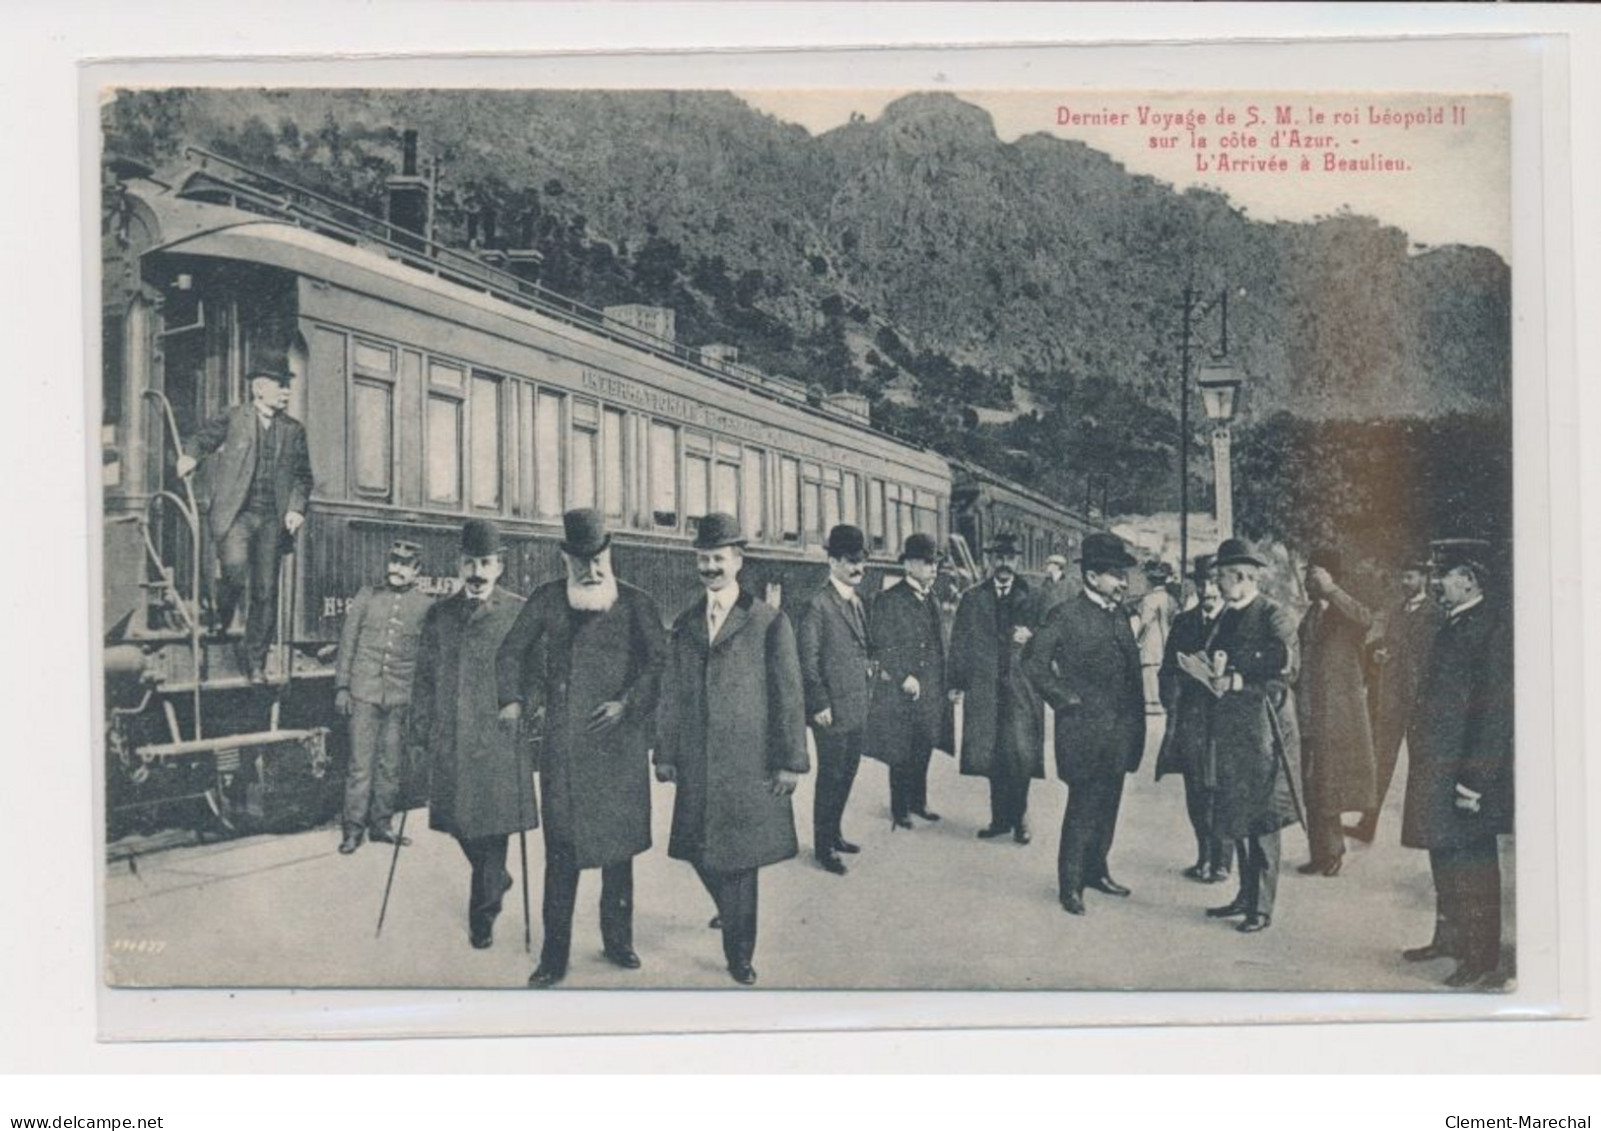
x: 846, y: 541
x: 480, y: 538
x: 920, y: 547
x: 400, y: 550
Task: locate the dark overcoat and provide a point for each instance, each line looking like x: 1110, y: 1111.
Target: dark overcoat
x: 1085, y: 662
x: 1406, y: 637
x: 1254, y: 736
x: 1003, y: 719
x: 834, y: 658
x: 482, y: 776
x: 732, y: 715
x: 1331, y: 701
x: 596, y: 787
x: 1462, y: 733
x: 907, y: 641
x: 233, y: 437
x: 1186, y: 748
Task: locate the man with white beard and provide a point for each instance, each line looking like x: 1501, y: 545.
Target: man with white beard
x: 587, y: 650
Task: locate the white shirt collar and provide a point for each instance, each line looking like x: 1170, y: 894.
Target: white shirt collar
x: 722, y: 599
x: 1413, y: 604
x: 1465, y: 606
x: 847, y: 593
x: 1244, y: 602
x: 919, y: 590
x: 1098, y: 599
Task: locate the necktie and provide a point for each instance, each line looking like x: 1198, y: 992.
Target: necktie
x: 714, y: 619
x: 857, y: 621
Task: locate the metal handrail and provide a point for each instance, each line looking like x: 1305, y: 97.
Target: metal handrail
x: 191, y: 513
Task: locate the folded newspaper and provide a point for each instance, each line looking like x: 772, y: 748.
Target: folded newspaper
x: 1200, y: 667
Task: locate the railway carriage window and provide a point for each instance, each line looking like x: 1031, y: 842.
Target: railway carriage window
x: 755, y: 514
x: 547, y: 455
x: 725, y: 487
x: 613, y: 494
x: 663, y: 475
x: 697, y: 478
x: 485, y: 442
x: 444, y: 449
x: 849, y: 508
x: 892, y: 516
x: 789, y: 508
x: 875, y: 514
x: 372, y: 433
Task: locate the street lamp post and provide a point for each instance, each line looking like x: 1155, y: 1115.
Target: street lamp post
x: 1195, y: 307
x: 1220, y: 385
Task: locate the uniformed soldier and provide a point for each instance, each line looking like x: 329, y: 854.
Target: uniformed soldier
x: 372, y: 681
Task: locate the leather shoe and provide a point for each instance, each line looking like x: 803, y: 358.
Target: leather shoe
x: 482, y: 936
x: 623, y: 956
x: 1362, y: 832
x: 1197, y: 872
x: 383, y: 834
x: 1332, y: 867
x: 545, y: 977
x: 1466, y: 976
x: 1310, y: 868
x: 1020, y: 834
x: 831, y: 863
x: 993, y: 831
x: 743, y: 973
x: 846, y: 847
x: 1425, y: 953
x: 1494, y: 982
x: 1073, y: 904
x: 1217, y: 875
x: 926, y: 814
x: 1110, y: 886
x: 716, y: 923
x: 351, y: 842
x: 900, y: 823
x: 1255, y: 922
x: 1228, y: 910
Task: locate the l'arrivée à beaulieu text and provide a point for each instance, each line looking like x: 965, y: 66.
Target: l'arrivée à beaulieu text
x: 1499, y: 1122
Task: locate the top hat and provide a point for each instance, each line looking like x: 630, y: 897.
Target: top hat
x: 400, y: 550
x: 1324, y: 558
x: 1104, y: 551
x: 1004, y: 543
x: 585, y: 533
x: 1236, y: 551
x: 480, y: 538
x: 1446, y: 554
x: 846, y: 541
x: 1201, y: 568
x: 716, y: 530
x: 920, y: 547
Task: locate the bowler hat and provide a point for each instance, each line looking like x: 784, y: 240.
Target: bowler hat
x: 1004, y: 543
x: 479, y: 538
x: 1104, y: 551
x: 920, y: 547
x: 716, y: 530
x: 1324, y: 557
x: 1202, y: 567
x: 1236, y: 551
x: 400, y: 550
x: 585, y: 531
x: 270, y: 364
x: 846, y: 541
x: 1158, y: 571
x: 1446, y: 554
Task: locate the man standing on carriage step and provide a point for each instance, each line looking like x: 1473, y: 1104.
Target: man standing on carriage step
x: 1086, y: 663
x: 731, y: 735
x: 836, y: 671
x: 261, y: 483
x: 1003, y: 720
x: 482, y: 784
x: 372, y: 688
x: 587, y: 649
x: 909, y: 715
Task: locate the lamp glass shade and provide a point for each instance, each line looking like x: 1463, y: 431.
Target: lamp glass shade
x: 1219, y: 383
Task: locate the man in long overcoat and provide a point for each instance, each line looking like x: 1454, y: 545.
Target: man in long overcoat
x: 1255, y: 740
x: 836, y: 672
x: 1187, y: 742
x: 1331, y: 698
x: 1003, y: 720
x: 482, y: 784
x: 731, y: 733
x: 1398, y: 653
x: 260, y: 484
x: 1085, y: 662
x: 909, y: 712
x: 589, y: 648
x: 1459, y: 789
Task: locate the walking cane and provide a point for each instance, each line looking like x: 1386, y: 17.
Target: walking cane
x: 528, y: 930
x: 1284, y: 762
x: 400, y: 839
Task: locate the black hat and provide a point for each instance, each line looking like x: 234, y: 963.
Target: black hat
x: 1158, y: 571
x: 479, y: 538
x: 846, y: 541
x: 401, y: 550
x: 1004, y: 543
x: 272, y: 365
x: 716, y: 530
x: 1236, y: 551
x: 920, y: 547
x: 1202, y: 567
x: 1104, y: 551
x: 1324, y: 557
x: 1448, y: 553
x: 585, y: 531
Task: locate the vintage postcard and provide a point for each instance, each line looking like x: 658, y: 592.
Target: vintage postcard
x: 896, y: 538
